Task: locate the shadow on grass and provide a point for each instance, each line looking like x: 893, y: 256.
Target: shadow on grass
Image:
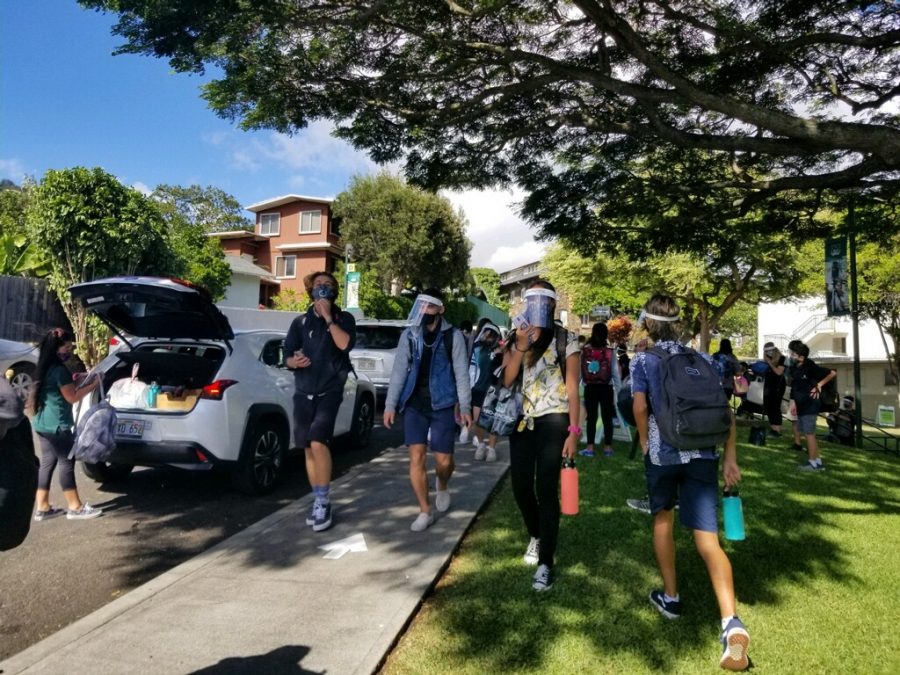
x: 606, y: 568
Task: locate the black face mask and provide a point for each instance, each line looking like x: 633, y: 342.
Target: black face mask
x: 429, y: 319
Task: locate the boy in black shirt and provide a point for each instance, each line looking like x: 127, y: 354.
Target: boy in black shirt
x: 807, y: 381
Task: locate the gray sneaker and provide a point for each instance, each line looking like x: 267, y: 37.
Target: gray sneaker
x: 491, y: 454
x: 642, y: 505
x: 809, y: 466
x: 543, y: 579
x: 481, y: 452
x: 86, y: 512
x: 52, y: 512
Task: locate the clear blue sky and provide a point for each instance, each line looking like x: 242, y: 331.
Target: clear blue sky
x: 66, y: 101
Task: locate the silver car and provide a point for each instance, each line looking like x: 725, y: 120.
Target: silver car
x: 373, y: 354
x: 18, y: 360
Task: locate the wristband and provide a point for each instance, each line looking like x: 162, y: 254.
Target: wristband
x: 574, y: 430
x: 328, y: 324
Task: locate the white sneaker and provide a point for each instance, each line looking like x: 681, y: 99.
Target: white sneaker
x: 422, y: 522
x: 531, y: 553
x: 491, y: 454
x: 480, y: 452
x: 441, y: 497
x: 464, y: 435
x: 86, y: 512
x: 543, y: 579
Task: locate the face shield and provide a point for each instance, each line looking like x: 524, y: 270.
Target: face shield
x: 539, y: 306
x: 657, y: 317
x: 489, y: 334
x: 423, y: 310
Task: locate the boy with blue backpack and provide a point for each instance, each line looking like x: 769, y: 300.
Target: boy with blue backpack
x: 681, y: 415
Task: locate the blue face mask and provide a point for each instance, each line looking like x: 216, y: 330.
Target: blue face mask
x: 323, y: 292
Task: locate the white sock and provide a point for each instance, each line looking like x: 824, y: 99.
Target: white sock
x: 669, y: 598
x: 726, y: 619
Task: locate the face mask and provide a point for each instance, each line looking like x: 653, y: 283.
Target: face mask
x: 63, y: 356
x: 323, y: 292
x: 428, y: 319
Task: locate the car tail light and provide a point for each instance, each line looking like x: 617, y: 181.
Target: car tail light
x: 114, y: 341
x: 201, y: 456
x: 215, y: 390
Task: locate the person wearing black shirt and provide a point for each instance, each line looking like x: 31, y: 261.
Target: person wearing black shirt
x: 807, y: 381
x: 773, y: 386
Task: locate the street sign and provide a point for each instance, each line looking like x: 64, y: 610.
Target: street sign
x: 352, y: 290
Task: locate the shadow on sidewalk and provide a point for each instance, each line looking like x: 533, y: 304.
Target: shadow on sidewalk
x: 282, y: 661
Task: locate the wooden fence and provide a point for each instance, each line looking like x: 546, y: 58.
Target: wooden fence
x: 28, y: 309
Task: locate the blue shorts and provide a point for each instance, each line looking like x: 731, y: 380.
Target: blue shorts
x: 696, y: 487
x: 807, y: 423
x: 314, y: 418
x: 441, y: 422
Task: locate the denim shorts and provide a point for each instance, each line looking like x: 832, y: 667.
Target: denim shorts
x: 694, y: 485
x: 806, y: 424
x: 441, y: 422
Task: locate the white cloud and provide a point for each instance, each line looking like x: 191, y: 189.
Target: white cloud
x: 13, y: 169
x: 142, y: 187
x: 501, y: 239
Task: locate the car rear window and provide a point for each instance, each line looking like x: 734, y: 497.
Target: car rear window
x: 378, y: 337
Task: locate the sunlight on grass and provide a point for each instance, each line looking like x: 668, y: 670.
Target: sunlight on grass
x: 817, y: 580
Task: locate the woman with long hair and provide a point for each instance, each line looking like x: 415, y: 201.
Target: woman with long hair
x: 548, y: 430
x: 52, y: 396
x: 600, y: 372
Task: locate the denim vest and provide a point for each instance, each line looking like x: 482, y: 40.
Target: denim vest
x: 441, y: 380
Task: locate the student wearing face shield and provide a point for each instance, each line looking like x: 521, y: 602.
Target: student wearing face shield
x: 430, y: 378
x: 317, y: 348
x: 482, y: 364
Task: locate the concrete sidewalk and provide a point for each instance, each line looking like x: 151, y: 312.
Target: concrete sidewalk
x: 267, y: 601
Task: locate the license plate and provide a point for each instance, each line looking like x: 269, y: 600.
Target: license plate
x: 365, y: 364
x: 130, y: 428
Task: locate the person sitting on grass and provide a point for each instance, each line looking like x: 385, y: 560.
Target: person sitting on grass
x: 688, y: 476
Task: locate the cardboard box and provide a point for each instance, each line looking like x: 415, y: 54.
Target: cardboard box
x: 168, y: 401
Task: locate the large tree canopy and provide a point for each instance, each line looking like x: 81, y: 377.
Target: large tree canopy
x: 791, y: 95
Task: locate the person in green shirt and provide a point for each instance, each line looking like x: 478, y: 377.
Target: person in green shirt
x: 52, y: 396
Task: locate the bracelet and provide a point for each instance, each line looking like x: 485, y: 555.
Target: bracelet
x: 328, y: 324
x: 574, y: 430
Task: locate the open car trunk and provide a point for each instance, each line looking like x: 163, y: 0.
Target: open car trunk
x: 181, y: 371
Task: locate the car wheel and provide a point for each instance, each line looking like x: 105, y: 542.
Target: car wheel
x: 261, y: 459
x: 22, y: 379
x: 104, y: 472
x: 363, y: 421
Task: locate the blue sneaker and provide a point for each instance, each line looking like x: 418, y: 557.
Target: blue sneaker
x: 735, y: 641
x: 584, y: 452
x: 323, y: 517
x: 671, y: 609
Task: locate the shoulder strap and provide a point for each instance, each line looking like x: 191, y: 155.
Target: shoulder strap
x: 448, y: 344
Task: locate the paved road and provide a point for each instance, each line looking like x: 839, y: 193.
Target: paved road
x: 154, y: 521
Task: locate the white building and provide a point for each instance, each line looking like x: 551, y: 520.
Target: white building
x: 830, y: 341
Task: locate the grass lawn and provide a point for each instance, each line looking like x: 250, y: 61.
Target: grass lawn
x: 817, y: 579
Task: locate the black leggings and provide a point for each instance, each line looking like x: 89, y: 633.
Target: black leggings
x: 772, y: 407
x: 601, y: 394
x: 535, y: 460
x: 55, y: 449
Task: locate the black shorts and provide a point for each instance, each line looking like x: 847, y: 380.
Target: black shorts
x: 314, y: 417
x: 478, y: 398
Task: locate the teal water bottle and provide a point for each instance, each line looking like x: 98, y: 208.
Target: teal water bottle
x: 733, y: 514
x: 152, y: 394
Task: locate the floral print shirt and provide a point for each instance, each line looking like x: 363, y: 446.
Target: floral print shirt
x: 542, y: 384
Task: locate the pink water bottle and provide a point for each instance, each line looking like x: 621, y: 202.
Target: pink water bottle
x: 568, y: 487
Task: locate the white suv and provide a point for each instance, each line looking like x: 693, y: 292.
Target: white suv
x: 376, y: 346
x: 225, y: 398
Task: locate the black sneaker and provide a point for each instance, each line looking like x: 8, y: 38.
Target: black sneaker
x: 323, y: 518
x: 543, y: 578
x: 797, y: 447
x: 671, y: 609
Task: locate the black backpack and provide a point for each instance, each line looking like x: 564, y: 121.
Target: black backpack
x: 693, y: 411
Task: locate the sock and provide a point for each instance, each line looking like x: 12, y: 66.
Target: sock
x: 669, y: 598
x: 321, y: 493
x: 726, y: 619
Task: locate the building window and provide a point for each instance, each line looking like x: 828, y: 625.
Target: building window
x: 286, y: 266
x: 585, y: 320
x: 270, y: 224
x: 310, y: 222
